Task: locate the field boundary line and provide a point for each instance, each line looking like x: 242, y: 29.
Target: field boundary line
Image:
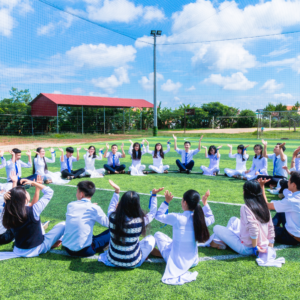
x: 161, y: 260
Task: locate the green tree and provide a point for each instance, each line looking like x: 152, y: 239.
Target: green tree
x: 248, y: 120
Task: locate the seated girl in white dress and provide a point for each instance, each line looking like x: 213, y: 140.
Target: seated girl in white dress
x: 214, y: 156
x: 189, y: 227
x: 259, y: 165
x: 40, y: 167
x: 89, y: 158
x: 241, y: 159
x: 158, y: 155
x: 136, y: 153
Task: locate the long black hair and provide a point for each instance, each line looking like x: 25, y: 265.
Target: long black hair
x: 14, y: 213
x: 134, y: 152
x: 210, y: 148
x: 33, y: 165
x: 128, y: 207
x: 94, y: 155
x: 255, y: 201
x: 161, y: 152
x: 192, y: 199
x: 261, y: 148
x: 242, y: 147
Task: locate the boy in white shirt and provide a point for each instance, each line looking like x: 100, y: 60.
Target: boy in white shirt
x: 66, y: 162
x: 287, y: 212
x: 113, y: 165
x: 15, y: 164
x: 81, y: 216
x: 186, y: 164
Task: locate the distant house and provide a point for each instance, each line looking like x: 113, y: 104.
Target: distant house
x: 290, y: 107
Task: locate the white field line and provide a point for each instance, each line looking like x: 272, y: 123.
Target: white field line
x: 160, y: 260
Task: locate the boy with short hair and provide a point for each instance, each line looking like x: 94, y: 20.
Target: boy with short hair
x: 113, y: 165
x: 287, y: 212
x: 15, y: 164
x: 66, y: 162
x: 186, y: 164
x: 81, y: 216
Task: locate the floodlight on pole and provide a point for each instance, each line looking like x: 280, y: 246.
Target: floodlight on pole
x: 154, y: 33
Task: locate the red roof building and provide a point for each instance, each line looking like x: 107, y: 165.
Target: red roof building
x: 47, y: 104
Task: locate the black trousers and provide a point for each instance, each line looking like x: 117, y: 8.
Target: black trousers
x: 75, y: 173
x: 6, y: 237
x: 274, y: 179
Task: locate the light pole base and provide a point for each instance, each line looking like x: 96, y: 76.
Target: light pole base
x: 155, y: 130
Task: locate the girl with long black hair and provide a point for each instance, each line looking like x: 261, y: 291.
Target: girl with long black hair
x: 136, y: 151
x: 90, y: 158
x: 127, y: 222
x: 214, y: 156
x: 254, y: 231
x: 189, y: 227
x: 241, y: 159
x: 259, y: 165
x: 40, y: 167
x: 158, y: 155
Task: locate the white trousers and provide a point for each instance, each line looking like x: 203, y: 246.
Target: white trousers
x: 231, y: 172
x: 251, y: 175
x: 160, y: 169
x: 209, y: 172
x: 147, y: 244
x: 164, y: 244
x: 97, y: 173
x: 231, y: 238
x: 137, y: 170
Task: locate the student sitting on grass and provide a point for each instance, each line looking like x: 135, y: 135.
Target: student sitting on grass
x: 259, y: 165
x: 81, y: 216
x: 90, y: 158
x: 15, y: 164
x: 136, y: 151
x: 254, y: 231
x: 186, y: 164
x: 127, y: 222
x: 66, y: 162
x: 113, y: 160
x: 158, y: 155
x: 189, y: 227
x: 279, y: 161
x: 24, y: 221
x: 40, y: 167
x: 241, y: 158
x: 287, y: 219
x: 214, y: 156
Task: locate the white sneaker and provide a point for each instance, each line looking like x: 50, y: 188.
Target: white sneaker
x: 45, y: 224
x: 273, y: 192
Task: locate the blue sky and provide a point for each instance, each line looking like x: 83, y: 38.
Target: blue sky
x: 201, y: 56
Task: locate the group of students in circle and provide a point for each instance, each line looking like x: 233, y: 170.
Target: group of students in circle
x: 254, y: 233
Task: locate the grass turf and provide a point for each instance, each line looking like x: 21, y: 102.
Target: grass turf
x: 56, y: 277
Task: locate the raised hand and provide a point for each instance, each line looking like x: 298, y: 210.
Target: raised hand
x: 167, y: 141
x: 230, y: 146
x: 7, y: 196
x: 28, y: 153
x: 13, y: 176
x: 282, y: 145
x: 204, y: 198
x: 78, y: 149
x: 107, y: 146
x: 1, y: 153
x: 115, y: 186
x: 122, y: 146
x: 219, y: 147
x: 204, y: 147
x: 174, y: 137
x: 12, y: 153
x: 39, y: 179
x: 100, y: 149
x: 26, y: 181
x: 51, y: 150
x: 246, y: 147
x: 131, y: 142
x: 86, y: 149
x: 295, y: 153
x: 201, y: 138
x: 61, y: 149
x: 155, y: 191
x: 168, y: 196
x: 265, y: 143
x: 263, y: 181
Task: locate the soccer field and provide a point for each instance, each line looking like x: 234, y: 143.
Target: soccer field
x: 55, y: 276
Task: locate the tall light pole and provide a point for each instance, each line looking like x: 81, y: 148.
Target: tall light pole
x: 154, y: 33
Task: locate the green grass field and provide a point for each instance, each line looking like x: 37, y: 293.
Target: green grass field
x: 53, y: 276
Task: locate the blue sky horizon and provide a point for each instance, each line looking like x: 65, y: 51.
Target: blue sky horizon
x: 244, y: 54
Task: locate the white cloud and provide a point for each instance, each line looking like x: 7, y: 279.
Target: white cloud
x: 278, y: 52
x: 122, y: 11
x: 270, y: 86
x: 57, y: 92
x: 95, y: 94
x: 293, y: 63
x: 101, y: 55
x: 7, y: 22
x: 147, y: 82
x: 50, y: 28
x: 78, y: 91
x: 109, y: 84
x: 192, y: 88
x: 236, y: 81
x: 283, y: 96
x: 176, y: 98
x: 170, y: 86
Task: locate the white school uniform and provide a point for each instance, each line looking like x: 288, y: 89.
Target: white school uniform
x: 181, y: 253
x: 39, y: 164
x: 278, y: 164
x: 158, y: 166
x: 258, y: 165
x: 3, y: 162
x: 147, y: 244
x: 240, y: 165
x: 111, y: 158
x: 64, y: 165
x: 90, y: 166
x: 12, y: 167
x: 136, y: 168
x: 186, y: 157
x: 297, y: 165
x: 4, y: 187
x: 50, y: 238
x: 213, y: 165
